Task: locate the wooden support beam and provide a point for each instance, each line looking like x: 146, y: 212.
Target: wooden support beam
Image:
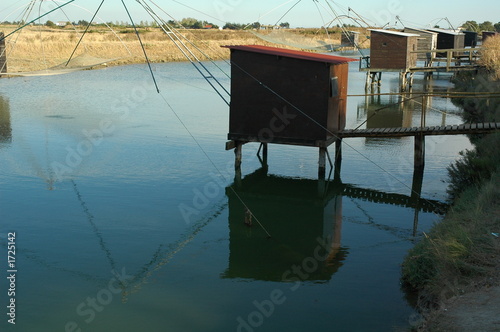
x: 322, y: 164
x: 3, y: 54
x: 419, y: 151
x: 338, y: 158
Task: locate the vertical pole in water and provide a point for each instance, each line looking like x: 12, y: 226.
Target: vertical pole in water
x: 419, y: 159
x: 322, y: 172
x: 416, y: 191
x: 322, y: 163
x: 368, y: 81
x: 3, y: 55
x: 338, y: 158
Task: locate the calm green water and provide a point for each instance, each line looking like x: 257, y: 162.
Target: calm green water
x: 123, y: 224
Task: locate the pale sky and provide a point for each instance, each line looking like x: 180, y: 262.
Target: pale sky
x: 301, y: 13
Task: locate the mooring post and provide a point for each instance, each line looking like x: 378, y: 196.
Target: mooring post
x: 338, y: 158
x: 322, y: 163
x: 3, y: 55
x: 419, y: 159
x: 416, y: 192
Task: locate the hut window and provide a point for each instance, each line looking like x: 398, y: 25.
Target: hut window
x: 384, y: 44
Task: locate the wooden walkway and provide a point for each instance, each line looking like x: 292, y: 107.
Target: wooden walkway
x: 474, y: 128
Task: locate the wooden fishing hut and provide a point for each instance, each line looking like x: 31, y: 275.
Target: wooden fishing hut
x: 426, y: 41
x: 488, y: 34
x: 349, y: 38
x: 283, y: 96
x: 390, y: 51
x: 449, y: 39
x: 470, y: 38
x: 3, y: 54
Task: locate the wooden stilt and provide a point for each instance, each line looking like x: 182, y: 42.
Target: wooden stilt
x: 322, y: 164
x: 3, y: 55
x: 338, y: 158
x: 419, y: 158
x: 416, y: 192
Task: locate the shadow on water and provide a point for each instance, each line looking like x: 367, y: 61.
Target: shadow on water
x: 5, y: 125
x: 304, y: 218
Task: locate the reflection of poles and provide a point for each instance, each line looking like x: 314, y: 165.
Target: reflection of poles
x: 263, y: 158
x: 419, y: 159
x: 237, y: 162
x: 337, y: 230
x: 416, y: 191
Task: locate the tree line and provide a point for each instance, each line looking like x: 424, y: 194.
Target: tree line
x: 478, y: 27
x: 188, y: 22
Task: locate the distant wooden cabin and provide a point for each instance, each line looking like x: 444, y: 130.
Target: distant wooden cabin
x: 427, y: 40
x: 488, y: 34
x: 470, y: 39
x: 392, y: 50
x: 349, y: 39
x: 286, y: 97
x: 3, y: 54
x: 449, y: 39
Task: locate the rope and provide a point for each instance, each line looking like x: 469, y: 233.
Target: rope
x: 210, y: 160
x: 142, y: 46
x: 286, y: 13
x: 47, y: 13
x: 83, y: 35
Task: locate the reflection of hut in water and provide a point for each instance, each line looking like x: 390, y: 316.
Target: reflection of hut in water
x: 387, y: 113
x: 304, y: 227
x: 5, y: 126
x: 427, y: 40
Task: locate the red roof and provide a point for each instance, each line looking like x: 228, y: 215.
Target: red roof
x: 291, y: 53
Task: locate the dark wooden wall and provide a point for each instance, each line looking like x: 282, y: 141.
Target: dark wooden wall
x: 263, y: 86
x: 426, y: 41
x: 389, y: 51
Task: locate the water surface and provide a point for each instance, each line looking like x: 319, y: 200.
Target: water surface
x: 112, y: 199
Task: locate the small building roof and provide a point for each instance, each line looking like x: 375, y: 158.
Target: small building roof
x: 397, y: 33
x: 318, y: 57
x: 449, y: 32
x: 421, y: 31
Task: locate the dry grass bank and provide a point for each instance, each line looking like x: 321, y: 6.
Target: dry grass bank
x: 490, y: 57
x: 37, y: 48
